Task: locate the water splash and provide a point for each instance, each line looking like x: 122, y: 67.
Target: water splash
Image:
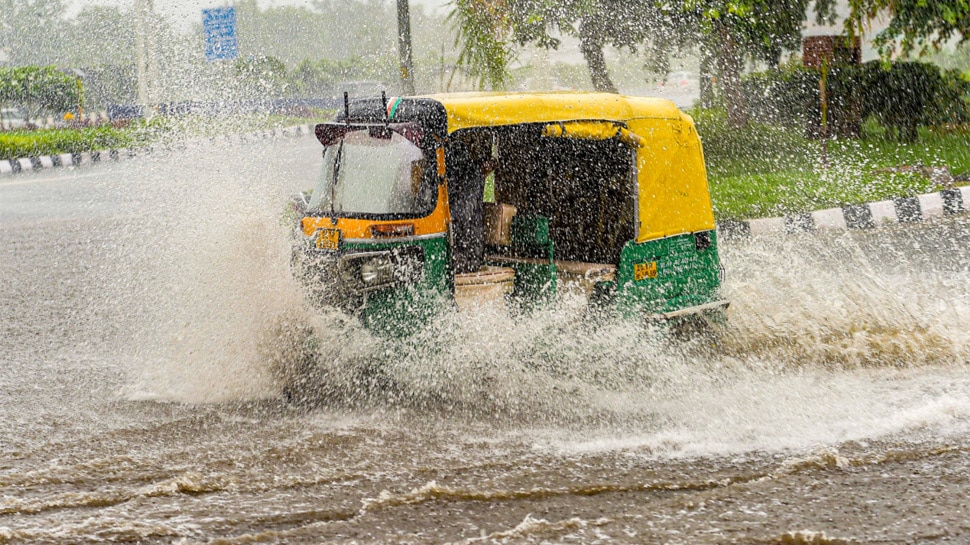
x: 211, y: 277
x: 855, y: 300
x: 823, y: 337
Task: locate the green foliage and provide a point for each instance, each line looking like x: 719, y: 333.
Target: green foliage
x: 83, y: 39
x: 38, y: 89
x: 482, y: 33
x: 911, y: 94
x: 784, y: 97
x: 761, y: 28
x: 730, y: 30
x: 915, y: 25
x: 488, y: 29
x: 326, y: 76
x: 758, y: 147
x: 262, y: 76
x: 110, y: 83
x: 357, y: 38
x: 903, y: 97
x: 16, y: 144
x: 101, y: 41
x: 30, y: 30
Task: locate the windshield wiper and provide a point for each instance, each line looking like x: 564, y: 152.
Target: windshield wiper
x: 333, y: 185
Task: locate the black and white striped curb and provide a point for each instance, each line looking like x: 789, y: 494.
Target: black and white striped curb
x: 26, y: 164
x: 855, y: 216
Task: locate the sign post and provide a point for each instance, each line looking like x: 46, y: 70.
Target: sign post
x: 219, y: 28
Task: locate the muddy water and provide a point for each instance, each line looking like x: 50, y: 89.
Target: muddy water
x: 145, y: 308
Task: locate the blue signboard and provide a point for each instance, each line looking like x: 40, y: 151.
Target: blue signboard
x: 219, y: 28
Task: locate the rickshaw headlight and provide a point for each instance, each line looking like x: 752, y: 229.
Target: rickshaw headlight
x: 377, y: 271
x: 368, y: 271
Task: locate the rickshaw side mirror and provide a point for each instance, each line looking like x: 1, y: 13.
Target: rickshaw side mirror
x: 330, y: 133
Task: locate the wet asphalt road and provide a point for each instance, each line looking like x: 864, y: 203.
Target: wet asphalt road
x: 143, y: 304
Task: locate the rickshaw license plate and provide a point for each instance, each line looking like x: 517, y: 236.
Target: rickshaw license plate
x: 642, y: 271
x: 328, y: 239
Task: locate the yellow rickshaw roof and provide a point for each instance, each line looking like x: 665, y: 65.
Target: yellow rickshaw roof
x: 466, y: 110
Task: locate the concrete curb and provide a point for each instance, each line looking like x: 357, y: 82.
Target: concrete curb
x: 856, y: 216
x: 28, y: 164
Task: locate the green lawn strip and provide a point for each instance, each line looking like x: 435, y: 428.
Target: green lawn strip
x: 754, y: 176
x: 777, y: 194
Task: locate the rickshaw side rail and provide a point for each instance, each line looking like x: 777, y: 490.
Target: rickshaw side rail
x: 597, y: 271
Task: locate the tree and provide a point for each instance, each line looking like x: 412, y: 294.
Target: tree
x: 324, y: 77
x: 730, y: 30
x: 483, y: 32
x: 916, y: 25
x: 262, y: 77
x: 91, y: 29
x: 38, y: 89
x: 30, y: 30
x: 486, y: 28
x: 337, y: 30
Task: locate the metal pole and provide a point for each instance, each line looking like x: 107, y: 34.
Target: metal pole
x: 824, y: 129
x: 145, y: 61
x: 80, y: 98
x: 154, y: 78
x: 404, y: 45
x: 140, y: 62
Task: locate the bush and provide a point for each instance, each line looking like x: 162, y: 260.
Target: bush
x: 952, y: 104
x: 790, y: 98
x: 38, y: 89
x: 911, y: 94
x: 16, y: 144
x: 781, y: 97
x: 903, y: 97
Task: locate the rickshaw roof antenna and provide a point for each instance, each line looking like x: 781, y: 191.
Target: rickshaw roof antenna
x: 387, y: 114
x: 347, y: 107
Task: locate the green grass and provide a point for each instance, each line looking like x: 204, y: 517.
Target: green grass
x: 768, y: 171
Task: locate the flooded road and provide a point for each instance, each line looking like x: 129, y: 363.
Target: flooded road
x: 145, y: 307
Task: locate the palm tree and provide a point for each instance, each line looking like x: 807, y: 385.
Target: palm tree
x: 484, y: 31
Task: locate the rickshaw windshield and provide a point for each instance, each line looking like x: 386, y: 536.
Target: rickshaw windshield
x: 371, y: 176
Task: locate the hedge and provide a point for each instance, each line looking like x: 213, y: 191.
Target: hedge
x: 38, y: 89
x: 16, y: 144
x: 903, y: 97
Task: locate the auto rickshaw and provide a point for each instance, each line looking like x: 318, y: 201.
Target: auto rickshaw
x: 475, y: 198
